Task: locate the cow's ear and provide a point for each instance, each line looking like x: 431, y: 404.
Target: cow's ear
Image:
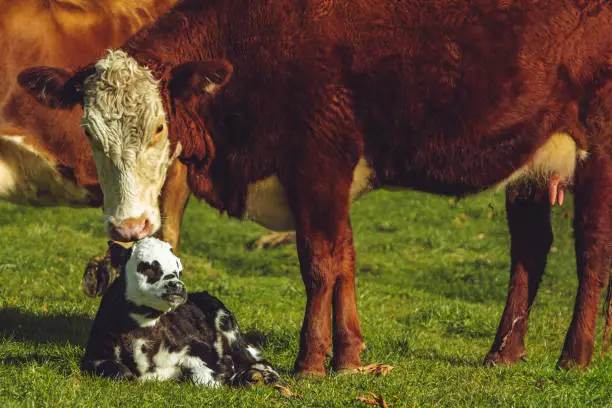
x: 53, y: 87
x: 199, y: 77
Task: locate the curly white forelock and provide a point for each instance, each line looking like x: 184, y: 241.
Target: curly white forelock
x: 119, y: 104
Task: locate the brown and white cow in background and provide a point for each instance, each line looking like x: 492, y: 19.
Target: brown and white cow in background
x: 45, y: 159
x: 285, y: 114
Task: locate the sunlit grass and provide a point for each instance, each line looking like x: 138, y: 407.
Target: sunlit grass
x: 432, y: 278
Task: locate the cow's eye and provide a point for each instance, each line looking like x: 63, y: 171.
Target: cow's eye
x: 157, y: 136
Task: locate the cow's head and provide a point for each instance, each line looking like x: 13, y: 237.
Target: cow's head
x: 127, y: 126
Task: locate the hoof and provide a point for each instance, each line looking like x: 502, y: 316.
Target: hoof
x: 496, y: 358
x: 309, y: 374
x: 570, y: 365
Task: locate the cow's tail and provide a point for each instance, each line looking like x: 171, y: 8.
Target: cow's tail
x: 607, y: 312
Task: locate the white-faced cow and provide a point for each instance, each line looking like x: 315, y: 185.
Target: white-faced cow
x: 285, y: 112
x: 45, y: 159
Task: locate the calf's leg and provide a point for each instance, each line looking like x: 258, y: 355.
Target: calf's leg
x: 531, y: 237
x: 592, y: 231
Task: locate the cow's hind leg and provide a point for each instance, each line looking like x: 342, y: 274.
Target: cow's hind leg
x: 531, y: 238
x: 592, y: 231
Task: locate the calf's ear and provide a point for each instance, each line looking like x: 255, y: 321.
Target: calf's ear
x: 199, y: 78
x: 53, y: 87
x: 119, y: 254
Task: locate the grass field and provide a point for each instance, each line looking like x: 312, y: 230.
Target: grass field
x: 432, y: 278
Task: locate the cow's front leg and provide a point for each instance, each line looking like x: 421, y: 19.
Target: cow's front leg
x: 172, y: 203
x: 592, y: 231
x: 327, y: 258
x: 347, y: 337
x: 531, y: 238
x: 327, y: 262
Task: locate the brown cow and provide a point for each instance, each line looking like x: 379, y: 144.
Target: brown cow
x: 44, y: 156
x: 284, y: 114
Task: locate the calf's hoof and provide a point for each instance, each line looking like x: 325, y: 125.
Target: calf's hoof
x: 98, y: 276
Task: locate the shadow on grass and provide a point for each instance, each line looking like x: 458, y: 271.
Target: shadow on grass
x: 19, y: 325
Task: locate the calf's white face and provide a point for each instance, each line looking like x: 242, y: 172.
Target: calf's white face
x: 125, y: 123
x: 152, y: 276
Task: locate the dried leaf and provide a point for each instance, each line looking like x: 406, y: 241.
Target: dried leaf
x: 272, y: 240
x: 373, y: 399
x: 286, y: 392
x: 374, y: 369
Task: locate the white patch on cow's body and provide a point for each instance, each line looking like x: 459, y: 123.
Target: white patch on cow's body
x: 266, y: 202
x: 28, y: 176
x: 117, y: 352
x: 218, y: 344
x: 144, y: 321
x: 140, y: 358
x: 254, y: 352
x: 166, y: 365
x: 231, y: 336
x: 558, y: 155
x: 122, y: 110
x: 201, y: 374
x: 138, y: 290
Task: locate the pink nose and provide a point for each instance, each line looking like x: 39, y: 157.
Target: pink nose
x: 131, y: 229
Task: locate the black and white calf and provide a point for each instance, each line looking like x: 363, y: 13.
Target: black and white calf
x: 147, y: 327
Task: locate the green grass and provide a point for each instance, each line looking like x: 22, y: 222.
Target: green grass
x: 432, y: 278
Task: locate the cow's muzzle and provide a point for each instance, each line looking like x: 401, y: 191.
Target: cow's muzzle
x: 130, y: 229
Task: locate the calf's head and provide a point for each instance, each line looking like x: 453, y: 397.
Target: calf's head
x: 152, y: 274
x: 127, y: 114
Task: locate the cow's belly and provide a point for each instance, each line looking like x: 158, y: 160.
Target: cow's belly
x: 28, y: 177
x: 266, y: 203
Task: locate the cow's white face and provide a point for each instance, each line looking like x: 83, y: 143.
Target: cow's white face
x: 127, y: 128
x: 124, y: 120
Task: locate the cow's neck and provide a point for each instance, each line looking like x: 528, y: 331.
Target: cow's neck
x: 188, y: 33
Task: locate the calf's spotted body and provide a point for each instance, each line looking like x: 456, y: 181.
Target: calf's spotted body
x: 148, y: 328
